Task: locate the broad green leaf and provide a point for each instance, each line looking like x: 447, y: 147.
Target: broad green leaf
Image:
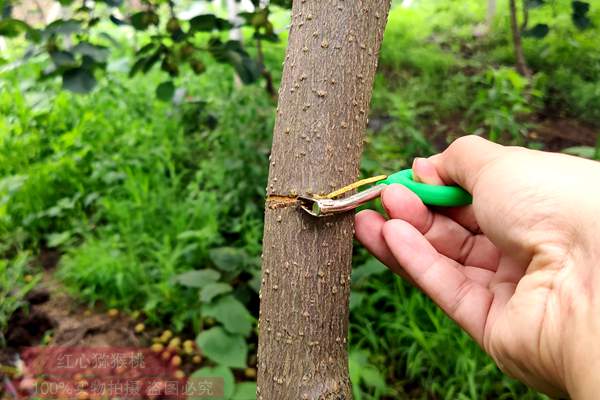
x: 197, y: 279
x: 146, y: 48
x: 62, y: 58
x: 165, y: 91
x: 269, y: 37
x: 369, y: 268
x: 117, y: 21
x: 579, y: 15
x: 245, y: 391
x: 581, y: 151
x: 62, y: 27
x: 282, y: 3
x: 372, y: 377
x: 216, y: 372
x: 223, y: 348
x: 228, y: 258
x: 57, y: 239
x: 78, y: 80
x: 143, y: 19
x: 231, y: 313
x: 11, y: 27
x: 538, y: 31
x: 212, y: 290
x: 233, y: 53
x: 98, y: 53
x: 208, y: 23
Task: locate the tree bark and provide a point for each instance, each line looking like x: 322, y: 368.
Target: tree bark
x: 521, y: 63
x: 322, y: 113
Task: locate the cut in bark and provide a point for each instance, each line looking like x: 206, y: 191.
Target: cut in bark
x: 322, y: 114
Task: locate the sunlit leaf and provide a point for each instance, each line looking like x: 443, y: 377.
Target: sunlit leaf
x: 212, y: 290
x: 245, y: 391
x: 197, y: 279
x: 231, y: 313
x: 11, y: 27
x: 223, y: 348
x: 216, y: 372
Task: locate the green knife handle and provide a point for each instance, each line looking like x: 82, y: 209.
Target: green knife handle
x: 433, y: 195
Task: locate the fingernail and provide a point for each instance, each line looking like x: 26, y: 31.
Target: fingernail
x: 417, y: 166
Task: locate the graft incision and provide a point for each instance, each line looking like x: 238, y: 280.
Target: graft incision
x: 276, y: 201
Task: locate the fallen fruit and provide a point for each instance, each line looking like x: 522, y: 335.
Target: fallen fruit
x: 176, y: 361
x: 250, y: 373
x: 157, y: 347
x: 174, y: 343
x: 139, y: 328
x: 179, y: 374
x: 113, y: 312
x: 197, y: 359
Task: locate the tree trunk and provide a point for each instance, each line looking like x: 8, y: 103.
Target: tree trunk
x: 322, y: 113
x: 522, y: 67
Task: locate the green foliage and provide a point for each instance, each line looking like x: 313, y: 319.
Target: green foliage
x: 503, y: 98
x: 13, y: 289
x: 78, y: 47
x: 224, y: 348
x: 229, y: 386
x: 231, y: 313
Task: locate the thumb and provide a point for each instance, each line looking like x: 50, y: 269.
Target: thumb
x: 424, y: 171
x: 464, y: 160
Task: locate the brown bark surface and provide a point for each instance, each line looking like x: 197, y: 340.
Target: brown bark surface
x: 322, y: 113
x: 522, y: 67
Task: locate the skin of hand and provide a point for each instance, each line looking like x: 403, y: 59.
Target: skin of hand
x: 518, y: 269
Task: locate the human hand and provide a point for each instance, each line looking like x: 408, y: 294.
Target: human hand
x: 518, y: 269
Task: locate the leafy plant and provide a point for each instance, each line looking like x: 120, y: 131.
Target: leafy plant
x: 503, y: 100
x: 15, y: 282
x: 78, y: 48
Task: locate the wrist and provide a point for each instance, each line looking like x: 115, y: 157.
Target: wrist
x: 581, y: 352
x: 583, y: 380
